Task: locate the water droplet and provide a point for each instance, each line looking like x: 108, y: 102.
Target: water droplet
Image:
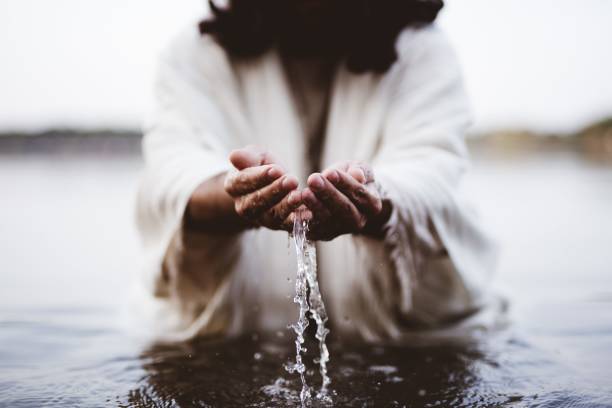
x: 422, y: 393
x: 257, y: 356
x: 385, y: 369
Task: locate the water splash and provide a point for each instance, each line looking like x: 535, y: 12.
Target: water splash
x: 308, y: 297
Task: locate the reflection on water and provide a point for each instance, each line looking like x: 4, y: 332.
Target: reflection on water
x: 364, y: 376
x: 68, y: 248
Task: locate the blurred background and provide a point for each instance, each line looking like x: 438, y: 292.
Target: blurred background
x: 88, y: 65
x: 75, y: 84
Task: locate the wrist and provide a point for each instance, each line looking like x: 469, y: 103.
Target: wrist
x: 211, y: 209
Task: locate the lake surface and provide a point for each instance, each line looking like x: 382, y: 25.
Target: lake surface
x: 69, y: 252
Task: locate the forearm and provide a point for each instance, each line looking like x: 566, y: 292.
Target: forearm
x: 211, y: 209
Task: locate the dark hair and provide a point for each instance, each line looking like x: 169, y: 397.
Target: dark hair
x: 361, y: 31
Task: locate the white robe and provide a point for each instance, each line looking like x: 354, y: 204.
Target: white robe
x: 434, y: 264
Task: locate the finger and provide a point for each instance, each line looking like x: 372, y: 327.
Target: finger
x: 278, y: 217
x: 250, y: 156
x: 319, y: 211
x: 252, y: 205
x: 361, y: 172
x: 321, y: 225
x: 304, y: 214
x: 246, y: 181
x: 338, y: 204
x: 364, y: 199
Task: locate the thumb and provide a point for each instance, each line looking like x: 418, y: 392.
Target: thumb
x: 358, y: 174
x: 250, y: 156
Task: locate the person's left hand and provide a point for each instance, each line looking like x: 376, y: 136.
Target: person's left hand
x: 343, y: 199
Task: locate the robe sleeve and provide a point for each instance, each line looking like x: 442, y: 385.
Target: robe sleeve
x: 186, y: 141
x: 440, y: 258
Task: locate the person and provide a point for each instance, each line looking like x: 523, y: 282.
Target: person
x: 351, y: 112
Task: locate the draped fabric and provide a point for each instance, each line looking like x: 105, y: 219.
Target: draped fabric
x: 431, y: 270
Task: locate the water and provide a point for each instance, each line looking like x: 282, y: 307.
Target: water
x: 309, y: 299
x: 65, y: 270
x: 303, y: 250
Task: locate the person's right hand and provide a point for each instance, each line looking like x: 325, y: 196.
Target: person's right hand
x: 263, y: 193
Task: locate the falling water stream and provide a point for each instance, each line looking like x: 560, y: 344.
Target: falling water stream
x: 308, y: 297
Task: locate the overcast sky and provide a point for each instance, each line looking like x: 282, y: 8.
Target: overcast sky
x: 538, y: 64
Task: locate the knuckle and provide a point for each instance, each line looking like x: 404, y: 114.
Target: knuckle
x: 245, y: 208
x: 358, y: 223
x: 239, y: 207
x: 283, y: 209
x: 229, y: 182
x: 377, y: 205
x: 275, y: 189
x: 267, y: 157
x: 361, y: 223
x: 239, y: 177
x: 257, y: 201
x: 361, y: 193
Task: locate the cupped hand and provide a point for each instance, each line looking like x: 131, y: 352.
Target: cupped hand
x: 343, y: 199
x: 263, y: 193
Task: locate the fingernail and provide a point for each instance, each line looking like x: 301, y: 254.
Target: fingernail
x: 332, y: 175
x: 316, y: 181
x: 358, y: 174
x: 363, y: 176
x: 289, y: 183
x: 274, y: 172
x: 293, y: 198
